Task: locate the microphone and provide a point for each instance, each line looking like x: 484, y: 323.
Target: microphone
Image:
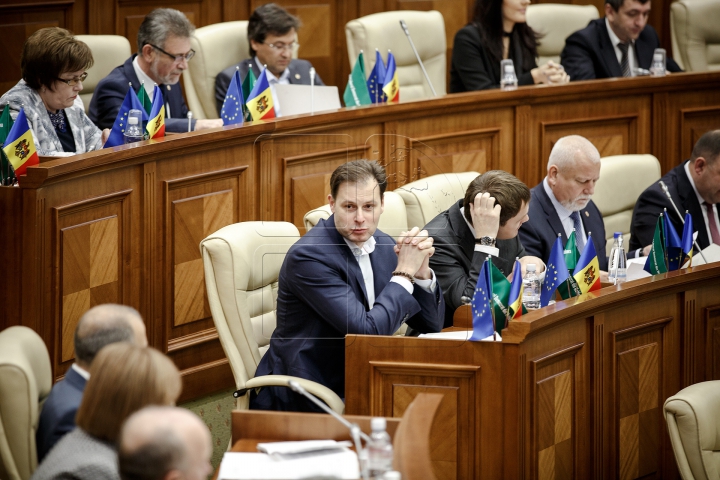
x: 189, y: 117
x: 417, y: 55
x: 682, y: 219
x: 312, y: 90
x: 355, y: 431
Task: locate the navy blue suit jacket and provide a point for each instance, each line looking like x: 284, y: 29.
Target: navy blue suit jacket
x: 111, y: 90
x: 58, y: 413
x: 321, y: 298
x: 589, y: 53
x: 539, y: 233
x: 299, y: 75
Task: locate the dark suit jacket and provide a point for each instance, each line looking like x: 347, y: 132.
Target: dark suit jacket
x: 473, y: 69
x: 299, y: 75
x: 539, y: 233
x: 589, y: 53
x: 321, y: 298
x: 110, y: 93
x: 457, y: 264
x: 58, y: 413
x: 653, y: 200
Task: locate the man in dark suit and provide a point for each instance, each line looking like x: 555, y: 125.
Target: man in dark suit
x: 272, y: 33
x: 99, y: 326
x: 163, y: 53
x: 484, y: 224
x: 345, y: 276
x: 694, y: 186
x: 613, y: 46
x: 562, y: 201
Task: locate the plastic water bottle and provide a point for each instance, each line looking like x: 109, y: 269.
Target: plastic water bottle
x: 657, y: 68
x: 392, y: 475
x: 531, y: 288
x: 617, y: 273
x: 508, y: 80
x: 133, y: 133
x: 380, y: 450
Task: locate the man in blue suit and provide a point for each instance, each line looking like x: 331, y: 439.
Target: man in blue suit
x: 345, y: 276
x: 562, y: 201
x: 99, y: 326
x: 163, y: 54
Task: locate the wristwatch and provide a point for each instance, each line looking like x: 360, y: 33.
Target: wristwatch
x: 488, y: 241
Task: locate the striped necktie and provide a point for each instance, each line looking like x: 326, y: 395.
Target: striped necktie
x: 625, y: 62
x: 714, y: 233
x: 577, y: 225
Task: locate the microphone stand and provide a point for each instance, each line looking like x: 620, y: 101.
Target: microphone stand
x: 682, y: 219
x: 417, y: 55
x: 312, y: 90
x: 355, y: 431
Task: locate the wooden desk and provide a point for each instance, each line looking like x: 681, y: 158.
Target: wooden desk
x: 575, y: 390
x: 123, y: 225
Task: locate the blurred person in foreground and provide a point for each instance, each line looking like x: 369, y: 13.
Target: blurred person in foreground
x: 123, y: 379
x: 54, y: 64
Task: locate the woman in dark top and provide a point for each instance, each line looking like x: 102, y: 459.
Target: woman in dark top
x: 498, y: 31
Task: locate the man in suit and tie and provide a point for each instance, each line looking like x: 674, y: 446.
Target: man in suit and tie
x: 98, y: 327
x: 272, y: 34
x: 483, y: 225
x: 562, y: 201
x: 345, y: 276
x: 694, y: 186
x: 613, y: 46
x: 163, y: 54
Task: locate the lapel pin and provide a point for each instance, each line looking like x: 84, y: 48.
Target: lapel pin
x: 168, y: 87
x: 297, y: 76
x: 587, y: 214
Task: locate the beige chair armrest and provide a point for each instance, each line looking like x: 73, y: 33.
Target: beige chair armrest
x: 320, y: 391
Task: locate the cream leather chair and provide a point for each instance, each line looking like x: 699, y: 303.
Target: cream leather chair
x: 622, y: 179
x: 109, y: 51
x: 25, y: 382
x: 382, y: 31
x: 695, y: 34
x: 242, y: 262
x: 557, y: 22
x: 693, y: 420
x: 216, y: 47
x: 393, y: 221
x: 426, y: 198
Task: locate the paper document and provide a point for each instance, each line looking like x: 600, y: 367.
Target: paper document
x: 458, y: 335
x: 306, y: 446
x: 245, y: 466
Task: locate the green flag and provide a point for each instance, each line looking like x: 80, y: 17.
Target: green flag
x: 6, y: 123
x: 144, y: 99
x: 247, y: 86
x: 500, y: 296
x: 569, y: 288
x: 7, y: 172
x: 656, y: 260
x: 356, y: 92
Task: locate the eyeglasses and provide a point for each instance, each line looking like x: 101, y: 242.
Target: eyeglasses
x: 283, y: 46
x: 176, y: 58
x: 75, y: 80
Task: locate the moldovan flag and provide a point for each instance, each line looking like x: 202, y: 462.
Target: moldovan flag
x: 156, y: 124
x: 260, y: 101
x: 391, y: 84
x: 687, y: 240
x: 19, y: 145
x: 516, y: 292
x: 587, y: 272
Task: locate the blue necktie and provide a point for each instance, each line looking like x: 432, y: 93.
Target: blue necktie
x: 577, y: 224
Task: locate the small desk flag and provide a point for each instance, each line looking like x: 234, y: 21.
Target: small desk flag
x: 156, y: 123
x: 232, y: 110
x: 687, y: 240
x: 556, y: 273
x: 247, y: 86
x: 391, y: 84
x: 376, y: 79
x: 673, y: 247
x: 19, y: 145
x: 481, y: 310
x: 587, y: 272
x: 655, y: 262
x: 356, y: 92
x: 515, y: 304
x: 260, y: 100
x: 118, y: 129
x: 144, y: 99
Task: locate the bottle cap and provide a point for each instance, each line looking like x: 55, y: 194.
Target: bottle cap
x: 132, y: 121
x: 509, y: 68
x: 392, y: 475
x: 378, y: 423
x: 617, y: 234
x: 657, y: 57
x: 530, y: 267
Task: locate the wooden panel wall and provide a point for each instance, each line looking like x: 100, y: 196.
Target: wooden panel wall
x: 322, y: 37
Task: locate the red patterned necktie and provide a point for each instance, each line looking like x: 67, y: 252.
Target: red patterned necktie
x: 714, y: 233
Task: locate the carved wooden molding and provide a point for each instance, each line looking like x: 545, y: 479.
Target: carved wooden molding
x: 187, y: 341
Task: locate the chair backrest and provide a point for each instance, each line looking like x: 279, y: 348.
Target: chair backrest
x: 426, y: 198
x: 382, y: 31
x: 216, y: 47
x: 25, y: 382
x: 242, y: 263
x: 693, y: 420
x: 393, y: 220
x: 695, y: 34
x: 556, y: 22
x: 622, y: 179
x: 109, y: 51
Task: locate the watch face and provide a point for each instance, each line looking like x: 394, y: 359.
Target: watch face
x: 487, y: 241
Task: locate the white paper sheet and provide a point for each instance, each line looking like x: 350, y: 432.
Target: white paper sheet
x: 246, y: 466
x: 301, y: 446
x: 457, y: 335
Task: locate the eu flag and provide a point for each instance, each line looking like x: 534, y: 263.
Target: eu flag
x: 118, y: 129
x: 481, y: 310
x: 232, y: 109
x: 555, y: 275
x: 375, y: 80
x: 673, y: 247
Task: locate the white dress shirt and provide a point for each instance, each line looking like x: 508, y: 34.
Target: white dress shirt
x: 81, y: 371
x: 273, y: 80
x: 632, y: 59
x: 149, y: 84
x: 702, y: 207
x: 564, y: 215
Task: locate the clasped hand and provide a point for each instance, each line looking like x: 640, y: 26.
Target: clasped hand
x: 485, y: 214
x: 414, y: 249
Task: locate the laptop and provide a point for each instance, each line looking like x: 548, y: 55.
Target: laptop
x: 304, y: 99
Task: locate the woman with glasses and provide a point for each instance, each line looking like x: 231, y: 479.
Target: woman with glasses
x: 54, y: 66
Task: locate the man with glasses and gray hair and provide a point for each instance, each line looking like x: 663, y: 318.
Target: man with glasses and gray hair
x: 163, y: 54
x: 272, y: 34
